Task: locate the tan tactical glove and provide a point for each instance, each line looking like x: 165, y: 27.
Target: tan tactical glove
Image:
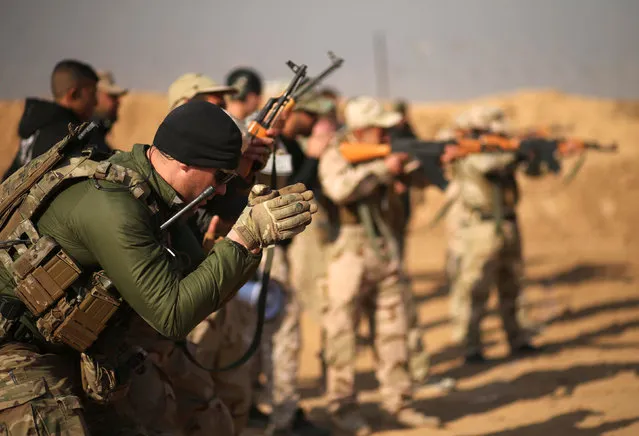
x: 273, y: 216
x: 261, y: 193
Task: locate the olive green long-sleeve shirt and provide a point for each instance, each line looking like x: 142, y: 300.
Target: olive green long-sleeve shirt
x: 109, y: 229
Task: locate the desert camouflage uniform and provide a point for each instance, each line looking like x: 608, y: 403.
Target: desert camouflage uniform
x: 418, y: 356
x: 173, y: 396
x: 308, y: 263
x: 357, y: 270
x: 454, y: 219
x: 490, y: 249
x: 217, y: 342
x: 452, y: 210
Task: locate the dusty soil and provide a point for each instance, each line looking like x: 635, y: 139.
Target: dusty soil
x: 582, y: 257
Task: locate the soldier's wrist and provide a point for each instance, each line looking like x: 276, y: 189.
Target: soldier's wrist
x: 237, y: 238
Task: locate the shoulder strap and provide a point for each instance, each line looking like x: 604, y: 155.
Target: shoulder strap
x: 19, y: 222
x: 17, y: 185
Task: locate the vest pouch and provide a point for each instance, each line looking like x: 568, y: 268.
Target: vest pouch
x: 43, y: 273
x: 100, y: 379
x: 86, y: 321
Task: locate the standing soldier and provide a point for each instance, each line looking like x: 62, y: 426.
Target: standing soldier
x: 364, y: 263
x: 282, y: 337
x: 489, y: 242
x: 399, y: 208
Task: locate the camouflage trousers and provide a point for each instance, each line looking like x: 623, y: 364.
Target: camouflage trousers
x: 41, y: 394
x: 454, y: 219
x: 219, y: 341
x: 307, y: 267
x: 488, y: 258
x: 173, y: 396
x: 280, y: 348
x: 418, y: 356
x: 355, y: 274
x: 38, y: 393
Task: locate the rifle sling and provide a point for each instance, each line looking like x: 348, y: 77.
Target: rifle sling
x: 498, y: 208
x: 442, y: 212
x: 575, y: 169
x: 260, y: 309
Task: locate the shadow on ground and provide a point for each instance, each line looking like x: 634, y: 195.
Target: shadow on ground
x: 566, y: 424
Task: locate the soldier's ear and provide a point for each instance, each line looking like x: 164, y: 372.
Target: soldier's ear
x: 74, y: 93
x: 183, y: 167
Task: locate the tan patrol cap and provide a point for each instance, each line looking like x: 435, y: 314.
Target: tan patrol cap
x: 314, y: 103
x: 189, y: 85
x: 106, y: 84
x: 363, y: 112
x: 483, y: 117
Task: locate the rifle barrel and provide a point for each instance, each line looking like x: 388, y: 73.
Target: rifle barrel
x: 205, y: 194
x: 300, y: 73
x: 335, y: 64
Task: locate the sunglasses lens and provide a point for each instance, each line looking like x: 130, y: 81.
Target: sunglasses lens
x: 222, y: 178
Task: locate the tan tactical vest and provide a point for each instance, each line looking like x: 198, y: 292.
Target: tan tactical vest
x: 68, y: 306
x: 493, y: 194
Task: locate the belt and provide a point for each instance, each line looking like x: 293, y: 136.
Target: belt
x: 490, y: 217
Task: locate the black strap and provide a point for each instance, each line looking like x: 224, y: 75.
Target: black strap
x: 261, y: 300
x: 261, y: 308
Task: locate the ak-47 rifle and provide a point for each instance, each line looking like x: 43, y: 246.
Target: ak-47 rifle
x: 565, y: 147
x: 271, y: 112
x: 259, y: 127
x: 535, y: 148
x: 537, y: 152
x: 308, y: 85
x: 428, y: 153
x: 336, y: 62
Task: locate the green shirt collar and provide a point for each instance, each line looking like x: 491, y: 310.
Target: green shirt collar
x: 138, y: 161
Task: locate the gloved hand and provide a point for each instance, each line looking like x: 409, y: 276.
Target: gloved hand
x: 260, y: 193
x: 273, y: 216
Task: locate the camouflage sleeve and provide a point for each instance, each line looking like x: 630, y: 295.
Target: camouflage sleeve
x: 486, y: 162
x: 345, y: 183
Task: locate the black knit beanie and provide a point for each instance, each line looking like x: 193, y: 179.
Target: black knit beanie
x: 200, y: 134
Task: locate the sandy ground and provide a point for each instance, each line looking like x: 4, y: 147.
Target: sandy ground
x: 582, y: 263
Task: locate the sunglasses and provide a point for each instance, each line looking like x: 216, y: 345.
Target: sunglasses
x: 222, y: 177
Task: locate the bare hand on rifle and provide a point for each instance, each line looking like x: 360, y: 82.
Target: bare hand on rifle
x: 321, y: 136
x: 256, y: 155
x: 452, y: 152
x: 395, y: 162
